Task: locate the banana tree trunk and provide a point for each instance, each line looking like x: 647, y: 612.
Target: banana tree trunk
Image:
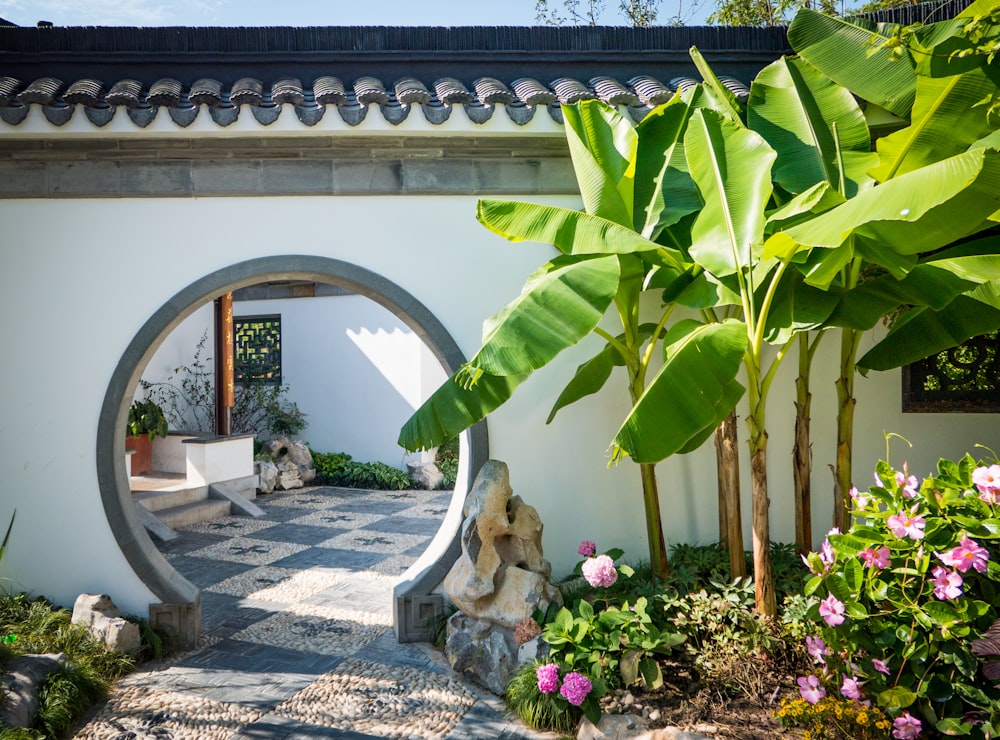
x: 802, y: 451
x: 765, y: 600
x: 846, y: 402
x: 654, y: 528
x: 727, y: 457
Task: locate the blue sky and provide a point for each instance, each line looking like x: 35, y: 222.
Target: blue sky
x: 290, y: 12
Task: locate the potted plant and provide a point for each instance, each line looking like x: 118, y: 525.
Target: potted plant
x: 145, y: 422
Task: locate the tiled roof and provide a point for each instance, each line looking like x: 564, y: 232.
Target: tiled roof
x: 520, y: 99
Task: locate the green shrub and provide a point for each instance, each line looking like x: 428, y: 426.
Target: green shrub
x: 338, y: 469
x: 64, y: 696
x: 905, y: 592
x: 535, y: 709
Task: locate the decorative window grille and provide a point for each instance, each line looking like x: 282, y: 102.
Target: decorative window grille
x: 257, y: 345
x: 965, y: 379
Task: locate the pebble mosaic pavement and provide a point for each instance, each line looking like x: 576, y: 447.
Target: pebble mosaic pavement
x: 297, y: 633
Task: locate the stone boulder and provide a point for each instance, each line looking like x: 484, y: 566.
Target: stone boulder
x: 501, y: 575
x: 19, y: 684
x: 288, y: 476
x: 98, y: 613
x: 285, y: 453
x: 424, y: 475
x: 483, y: 650
x: 267, y: 475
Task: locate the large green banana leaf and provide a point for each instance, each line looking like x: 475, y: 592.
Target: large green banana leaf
x: 725, y: 101
x: 694, y: 390
x: 560, y: 304
x: 917, y: 212
x: 569, y: 231
x: 602, y: 145
x: 664, y: 190
x: 857, y: 55
x: 803, y: 114
x: 454, y: 408
x: 922, y: 332
x: 946, y: 120
x: 591, y: 376
x: 732, y: 167
x: 797, y: 307
x: 946, y: 48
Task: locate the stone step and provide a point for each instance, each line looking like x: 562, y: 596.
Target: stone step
x: 194, y: 513
x: 159, y: 500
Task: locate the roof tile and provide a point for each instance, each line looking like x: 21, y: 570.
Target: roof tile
x: 42, y: 91
x: 125, y: 92
x: 370, y: 90
x: 288, y: 90
x: 8, y: 90
x: 206, y: 91
x: 571, y: 91
x: 84, y: 92
x: 247, y: 91
x: 612, y: 92
x: 532, y: 92
x: 650, y: 90
x: 451, y: 91
x: 410, y: 90
x: 328, y: 90
x: 491, y: 91
x: 166, y: 91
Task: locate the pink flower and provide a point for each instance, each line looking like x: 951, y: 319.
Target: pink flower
x: 817, y: 648
x: 875, y: 558
x: 906, y: 727
x: 907, y: 482
x: 575, y: 688
x: 967, y: 555
x: 907, y: 525
x: 880, y: 666
x: 860, y: 499
x: 947, y: 585
x: 987, y: 479
x: 832, y: 610
x: 851, y: 688
x: 548, y: 678
x: 600, y: 571
x: 990, y: 497
x: 587, y: 548
x: 810, y: 690
x: 827, y: 555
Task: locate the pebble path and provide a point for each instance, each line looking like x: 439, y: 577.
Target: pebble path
x: 297, y: 633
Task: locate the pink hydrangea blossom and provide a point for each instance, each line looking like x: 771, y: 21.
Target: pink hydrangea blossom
x: 575, y: 688
x: 987, y: 479
x: 832, y: 610
x: 810, y: 690
x: 875, y: 557
x: 817, y: 649
x: 880, y: 666
x: 548, y: 678
x: 851, y: 688
x: 947, y: 584
x: 906, y: 727
x: 587, y: 548
x: 600, y: 571
x: 906, y: 524
x: 967, y: 555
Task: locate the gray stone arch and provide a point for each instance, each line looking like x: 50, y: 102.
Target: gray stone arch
x: 415, y: 604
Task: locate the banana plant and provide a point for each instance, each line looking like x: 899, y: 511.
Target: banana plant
x: 935, y: 78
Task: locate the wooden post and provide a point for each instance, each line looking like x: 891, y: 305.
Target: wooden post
x: 225, y: 366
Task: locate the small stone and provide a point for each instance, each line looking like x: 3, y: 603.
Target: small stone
x: 628, y: 700
x: 654, y: 715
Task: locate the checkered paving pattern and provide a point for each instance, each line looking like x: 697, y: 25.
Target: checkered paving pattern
x: 298, y: 641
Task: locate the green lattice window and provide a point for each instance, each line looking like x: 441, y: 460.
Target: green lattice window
x: 963, y: 379
x: 257, y: 346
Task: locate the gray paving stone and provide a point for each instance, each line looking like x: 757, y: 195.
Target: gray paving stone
x: 405, y: 525
x: 300, y: 534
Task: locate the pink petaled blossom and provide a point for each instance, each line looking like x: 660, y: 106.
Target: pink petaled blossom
x: 880, y: 666
x: 827, y: 555
x: 817, y: 649
x: 600, y: 571
x: 907, y: 482
x: 851, y: 688
x: 967, y: 555
x: 575, y: 688
x: 987, y: 479
x: 860, y: 499
x: 548, y: 678
x: 832, y: 610
x: 906, y: 524
x: 990, y: 497
x: 947, y: 584
x: 587, y: 548
x: 906, y: 727
x: 810, y: 690
x: 878, y: 481
x: 875, y: 558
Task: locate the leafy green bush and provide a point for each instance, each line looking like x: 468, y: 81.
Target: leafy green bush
x: 694, y: 567
x: 905, y: 592
x: 338, y: 469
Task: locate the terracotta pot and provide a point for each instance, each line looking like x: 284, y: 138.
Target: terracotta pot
x: 141, y: 461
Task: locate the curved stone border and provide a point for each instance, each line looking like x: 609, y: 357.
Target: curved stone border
x: 414, y: 604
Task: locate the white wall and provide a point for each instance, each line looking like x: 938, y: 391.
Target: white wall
x: 74, y: 297
x: 352, y: 366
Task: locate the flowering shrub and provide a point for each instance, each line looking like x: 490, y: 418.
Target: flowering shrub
x: 904, y: 594
x: 835, y: 719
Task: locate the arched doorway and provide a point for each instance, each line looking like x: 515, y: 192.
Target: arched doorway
x: 414, y: 604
